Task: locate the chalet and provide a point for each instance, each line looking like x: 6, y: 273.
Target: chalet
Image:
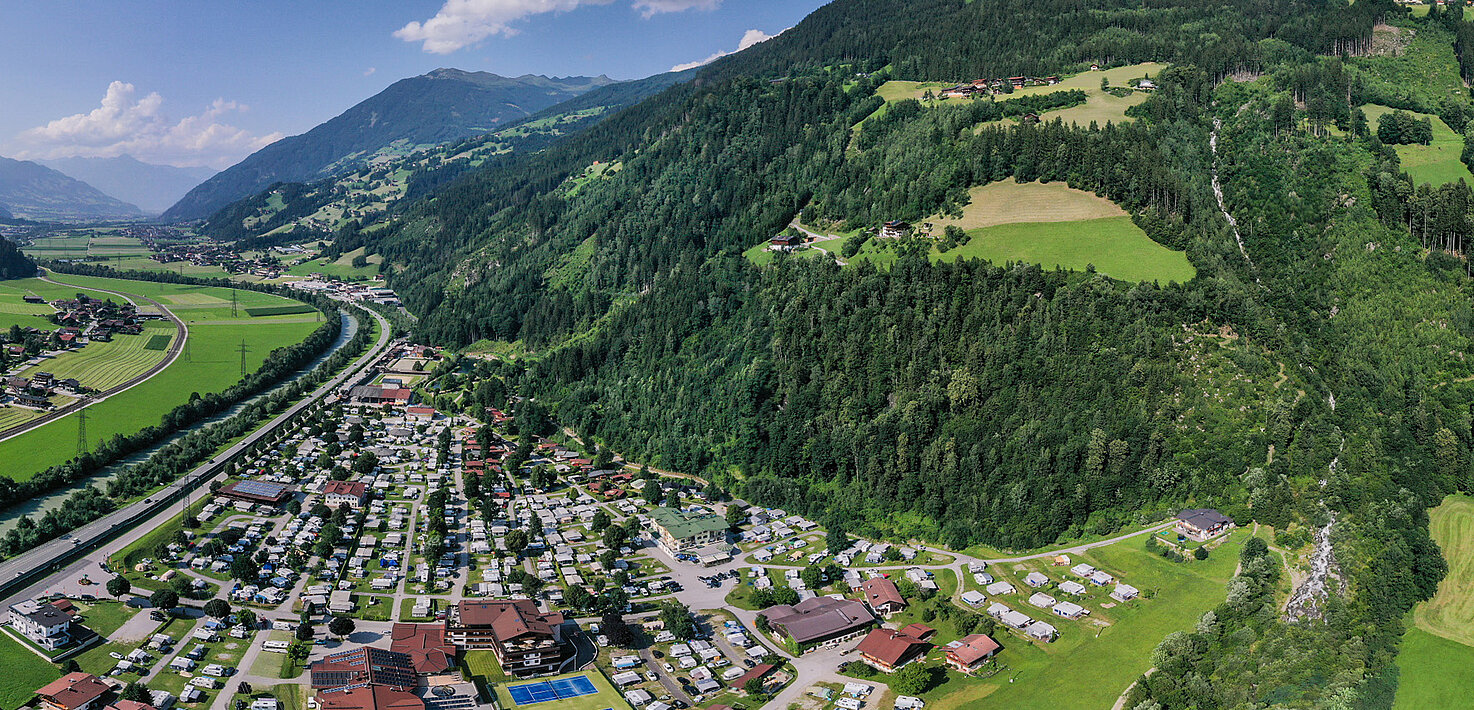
x: 889, y: 649
x: 353, y: 493
x: 1202, y: 524
x: 425, y: 645
x: 968, y: 653
x: 882, y: 596
x: 33, y: 299
x: 785, y: 243
x: 73, y: 691
x: 894, y: 229
x: 525, y: 641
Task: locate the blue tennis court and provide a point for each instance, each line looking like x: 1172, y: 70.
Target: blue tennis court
x: 556, y: 689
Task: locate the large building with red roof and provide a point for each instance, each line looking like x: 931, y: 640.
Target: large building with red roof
x: 362, y: 697
x: 365, y: 665
x: 969, y: 652
x: 425, y: 645
x: 889, y: 649
x: 526, y: 641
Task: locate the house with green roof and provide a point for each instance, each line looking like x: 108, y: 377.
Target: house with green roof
x: 679, y: 530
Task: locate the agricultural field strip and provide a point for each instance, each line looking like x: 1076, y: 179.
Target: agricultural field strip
x: 169, y: 357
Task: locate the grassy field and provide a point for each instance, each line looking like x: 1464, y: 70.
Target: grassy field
x: 1051, y: 225
x: 341, y: 268
x: 212, y: 364
x: 1434, y: 673
x: 101, y: 365
x: 483, y: 666
x: 24, y: 673
x: 606, y: 698
x: 1115, y: 246
x: 1100, y: 106
x: 1435, y: 163
x: 1450, y: 613
x: 762, y: 256
x: 84, y: 243
x: 1081, y: 670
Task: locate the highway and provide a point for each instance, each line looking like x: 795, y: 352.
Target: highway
x: 28, y: 576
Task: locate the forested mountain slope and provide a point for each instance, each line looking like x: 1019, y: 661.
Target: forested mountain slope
x: 1313, y: 375
x: 441, y: 106
x: 294, y: 211
x: 13, y: 263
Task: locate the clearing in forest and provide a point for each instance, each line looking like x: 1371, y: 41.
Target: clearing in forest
x: 1436, y: 163
x: 1051, y: 224
x: 1100, y: 106
x: 1450, y: 613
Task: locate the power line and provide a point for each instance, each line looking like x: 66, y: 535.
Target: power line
x: 82, y: 432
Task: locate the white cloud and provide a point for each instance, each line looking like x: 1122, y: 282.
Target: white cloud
x: 656, y: 7
x: 370, y: 71
x: 125, y: 124
x: 749, y: 39
x: 462, y: 23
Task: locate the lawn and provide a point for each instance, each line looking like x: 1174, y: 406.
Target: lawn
x: 291, y: 695
x: 1450, y: 613
x: 105, y: 616
x: 1436, y: 163
x: 483, y: 666
x: 1009, y: 202
x: 762, y: 256
x: 1434, y: 673
x: 24, y: 673
x: 211, y: 364
x: 606, y: 698
x: 1081, y: 670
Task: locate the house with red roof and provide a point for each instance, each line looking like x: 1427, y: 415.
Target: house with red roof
x: 73, y: 691
x: 970, y: 652
x: 889, y: 649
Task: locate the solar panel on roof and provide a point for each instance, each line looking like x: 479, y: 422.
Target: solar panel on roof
x: 259, y: 488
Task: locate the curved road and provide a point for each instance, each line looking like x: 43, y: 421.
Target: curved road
x: 175, y: 348
x: 27, y: 576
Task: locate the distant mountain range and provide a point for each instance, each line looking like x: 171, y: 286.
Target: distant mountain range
x: 32, y: 191
x: 287, y: 211
x: 152, y: 187
x: 444, y: 105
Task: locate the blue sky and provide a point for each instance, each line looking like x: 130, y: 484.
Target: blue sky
x: 186, y: 82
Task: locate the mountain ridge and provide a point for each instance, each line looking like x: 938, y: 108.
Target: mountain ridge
x: 29, y: 190
x: 150, y: 186
x: 428, y: 109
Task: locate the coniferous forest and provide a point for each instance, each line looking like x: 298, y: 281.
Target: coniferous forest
x: 1315, y: 373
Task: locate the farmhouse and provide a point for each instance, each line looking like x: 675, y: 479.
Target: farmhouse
x: 73, y: 691
x: 820, y: 620
x: 882, y: 596
x: 1202, y: 524
x: 785, y: 243
x: 889, y: 649
x: 679, y: 530
x: 373, y: 394
x: 968, y: 653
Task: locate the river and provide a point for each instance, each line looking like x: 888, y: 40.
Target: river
x: 38, y: 506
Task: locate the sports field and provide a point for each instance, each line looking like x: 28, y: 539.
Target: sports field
x: 211, y: 363
x: 1436, y: 163
x: 604, y: 695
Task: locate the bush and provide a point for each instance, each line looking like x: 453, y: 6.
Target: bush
x: 1200, y: 554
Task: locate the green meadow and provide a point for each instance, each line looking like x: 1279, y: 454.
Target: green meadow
x: 211, y: 363
x: 1436, y: 163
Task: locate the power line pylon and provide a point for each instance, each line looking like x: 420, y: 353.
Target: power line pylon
x: 82, y: 432
x: 243, y: 357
